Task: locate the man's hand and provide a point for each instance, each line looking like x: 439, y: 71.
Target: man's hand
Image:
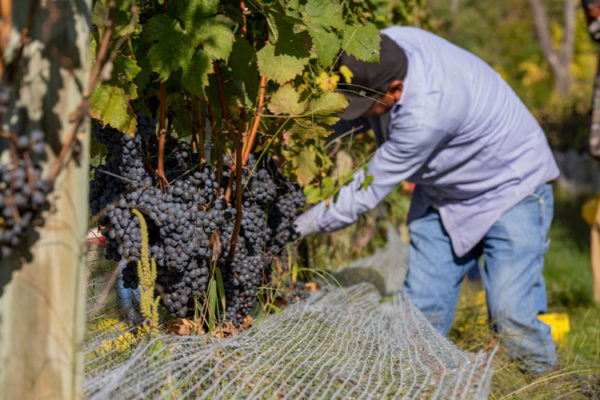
x: 307, y: 223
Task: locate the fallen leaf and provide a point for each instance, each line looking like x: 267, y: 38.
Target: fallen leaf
x: 184, y: 327
x: 312, y: 286
x: 247, y: 323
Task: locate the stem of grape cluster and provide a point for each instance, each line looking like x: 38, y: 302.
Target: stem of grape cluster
x: 259, y: 108
x: 200, y: 136
x: 160, y: 171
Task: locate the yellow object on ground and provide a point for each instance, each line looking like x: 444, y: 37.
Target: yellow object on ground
x: 480, y: 298
x: 120, y: 337
x: 559, y: 323
x: 588, y: 211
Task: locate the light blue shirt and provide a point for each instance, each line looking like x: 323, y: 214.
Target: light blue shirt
x: 460, y: 133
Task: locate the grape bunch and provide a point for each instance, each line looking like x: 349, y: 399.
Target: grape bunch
x: 190, y: 224
x: 23, y: 191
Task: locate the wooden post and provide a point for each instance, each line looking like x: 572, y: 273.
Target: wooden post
x: 595, y: 254
x: 594, y: 148
x: 42, y: 300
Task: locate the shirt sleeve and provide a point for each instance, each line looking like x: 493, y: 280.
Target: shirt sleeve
x: 405, y: 152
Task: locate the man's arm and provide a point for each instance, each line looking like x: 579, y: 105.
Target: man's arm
x: 403, y: 154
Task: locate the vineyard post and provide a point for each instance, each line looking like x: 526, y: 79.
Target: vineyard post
x: 42, y: 298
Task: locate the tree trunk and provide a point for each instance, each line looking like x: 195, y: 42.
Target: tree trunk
x: 559, y: 60
x: 595, y: 255
x: 454, y: 6
x: 42, y: 299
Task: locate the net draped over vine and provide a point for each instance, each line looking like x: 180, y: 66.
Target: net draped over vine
x: 341, y: 343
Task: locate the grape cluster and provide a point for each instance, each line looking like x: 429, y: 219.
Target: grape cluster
x: 23, y: 191
x: 190, y: 225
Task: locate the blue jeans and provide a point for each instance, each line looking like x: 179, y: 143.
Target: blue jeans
x: 513, y: 250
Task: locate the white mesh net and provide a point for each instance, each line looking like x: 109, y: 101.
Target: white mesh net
x: 340, y: 343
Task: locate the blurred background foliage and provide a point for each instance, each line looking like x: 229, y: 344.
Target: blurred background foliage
x: 503, y: 34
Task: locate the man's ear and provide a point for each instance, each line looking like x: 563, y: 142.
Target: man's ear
x: 396, y: 88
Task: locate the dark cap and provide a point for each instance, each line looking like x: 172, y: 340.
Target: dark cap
x: 371, y: 79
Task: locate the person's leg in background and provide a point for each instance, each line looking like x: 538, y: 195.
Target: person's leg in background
x: 514, y: 260
x: 435, y: 274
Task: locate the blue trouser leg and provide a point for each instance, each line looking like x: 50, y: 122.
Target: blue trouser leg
x: 514, y: 253
x: 514, y: 259
x: 435, y: 274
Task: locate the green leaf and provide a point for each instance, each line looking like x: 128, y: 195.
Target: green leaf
x: 110, y: 104
x: 362, y: 42
x: 216, y: 37
x: 367, y: 182
x: 170, y: 47
x: 307, y: 128
x: 325, y: 13
x: 192, y: 12
x: 124, y: 71
x: 220, y: 286
x: 313, y: 194
x: 286, y: 100
x: 328, y: 103
x: 307, y: 166
x: 243, y: 63
x: 288, y: 34
x: 110, y: 99
x: 123, y: 22
x: 280, y: 68
x: 195, y: 74
x: 326, y: 44
x: 212, y: 304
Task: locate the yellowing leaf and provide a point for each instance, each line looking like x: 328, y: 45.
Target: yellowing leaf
x: 346, y: 73
x: 110, y: 104
x: 329, y: 103
x: 326, y: 82
x: 307, y: 166
x: 286, y: 100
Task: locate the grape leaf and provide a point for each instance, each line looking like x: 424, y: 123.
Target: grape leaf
x: 280, y: 68
x: 329, y: 103
x: 216, y: 37
x: 110, y: 104
x: 286, y: 100
x: 171, y: 48
x: 195, y: 74
x: 306, y: 165
x: 325, y: 13
x: 288, y: 34
x: 305, y: 129
x: 110, y: 99
x: 192, y: 12
x: 362, y: 42
x: 326, y: 44
x: 243, y: 63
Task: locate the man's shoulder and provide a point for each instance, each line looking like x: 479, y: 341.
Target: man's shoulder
x: 400, y: 32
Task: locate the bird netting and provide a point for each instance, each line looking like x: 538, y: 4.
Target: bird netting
x: 340, y: 343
